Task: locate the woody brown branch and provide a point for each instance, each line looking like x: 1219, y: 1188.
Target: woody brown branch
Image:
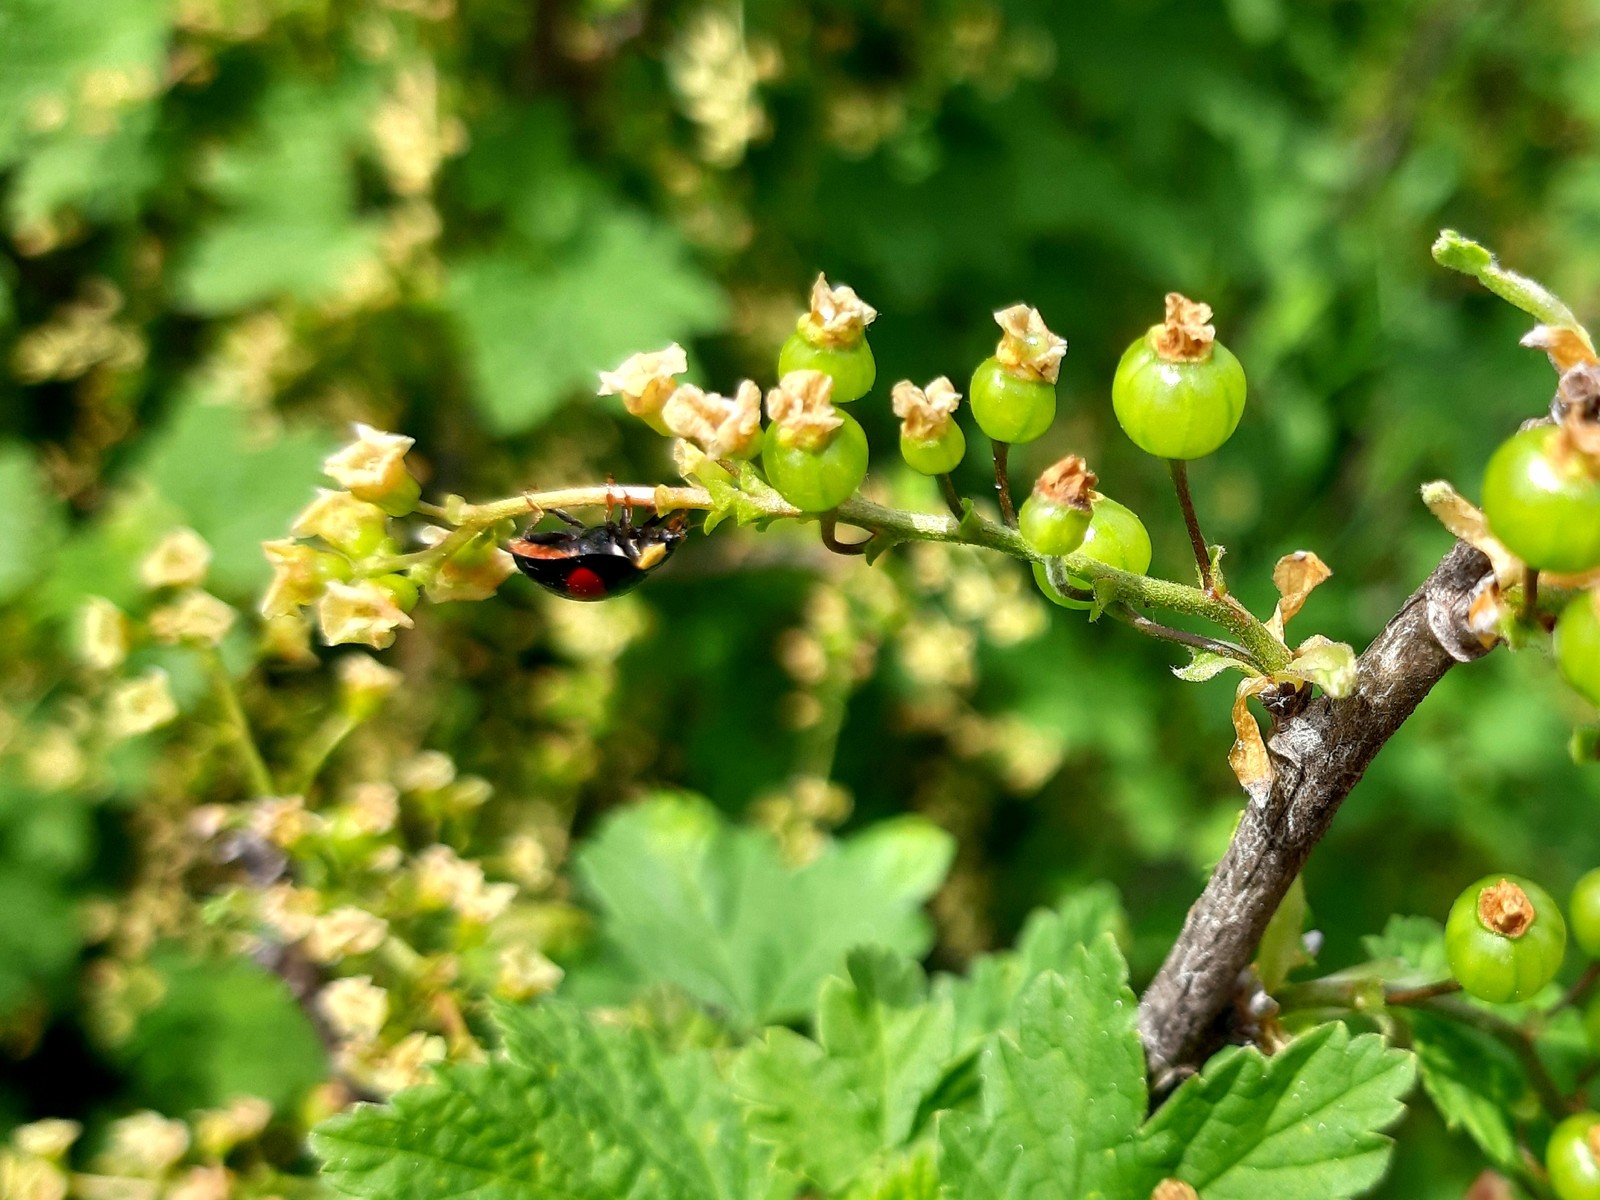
x: 1319, y: 751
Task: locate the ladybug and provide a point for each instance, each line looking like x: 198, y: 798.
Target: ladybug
x: 596, y: 562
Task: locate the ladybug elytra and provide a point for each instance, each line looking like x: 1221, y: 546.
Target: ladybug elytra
x: 596, y: 562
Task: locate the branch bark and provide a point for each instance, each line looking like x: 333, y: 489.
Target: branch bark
x: 1319, y: 751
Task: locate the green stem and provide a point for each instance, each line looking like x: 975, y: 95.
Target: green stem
x: 323, y: 743
x: 255, y: 766
x: 1002, y: 482
x: 1467, y: 256
x: 952, y: 498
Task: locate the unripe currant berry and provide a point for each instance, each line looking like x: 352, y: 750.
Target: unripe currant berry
x: 832, y: 339
x: 1573, y: 1157
x: 852, y: 368
x: 1178, y: 392
x: 1115, y: 537
x: 813, y: 454
x: 1056, y: 514
x: 1584, y: 913
x: 404, y: 591
x: 1577, y: 645
x: 1542, y: 499
x: 1013, y: 394
x: 930, y: 440
x: 1505, y: 939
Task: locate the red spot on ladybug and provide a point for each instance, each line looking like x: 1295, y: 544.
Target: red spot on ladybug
x: 596, y: 562
x: 584, y: 584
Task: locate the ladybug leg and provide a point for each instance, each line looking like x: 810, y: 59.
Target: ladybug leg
x: 564, y: 515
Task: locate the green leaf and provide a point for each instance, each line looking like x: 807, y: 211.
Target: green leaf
x: 1473, y: 1080
x: 538, y: 331
x: 912, y: 1177
x: 1410, y: 949
x: 235, y: 485
x: 985, y: 999
x: 290, y: 227
x: 1206, y: 664
x: 691, y: 900
x: 30, y: 521
x: 1282, y: 947
x: 1302, y: 1125
x: 1329, y: 665
x: 835, y: 1105
x: 576, y: 1111
x: 1061, y: 1097
x: 223, y: 1028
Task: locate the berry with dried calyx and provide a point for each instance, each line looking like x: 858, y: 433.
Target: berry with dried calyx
x: 1573, y: 1157
x: 832, y: 338
x: 1178, y: 392
x: 814, y: 455
x: 1115, y: 537
x: 1541, y: 496
x: 930, y: 440
x: 1505, y: 938
x: 1014, y: 392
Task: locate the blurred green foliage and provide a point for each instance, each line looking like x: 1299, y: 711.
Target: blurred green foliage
x: 233, y: 226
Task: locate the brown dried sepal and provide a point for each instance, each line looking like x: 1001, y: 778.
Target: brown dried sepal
x: 838, y: 316
x: 1027, y: 348
x: 1296, y: 576
x: 1567, y: 347
x: 1593, y: 1138
x: 925, y: 412
x: 1251, y: 764
x: 724, y: 426
x: 1187, y: 334
x: 1506, y: 909
x: 802, y: 407
x: 1068, y: 483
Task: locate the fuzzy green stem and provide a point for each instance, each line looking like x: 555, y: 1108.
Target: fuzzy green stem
x: 239, y: 725
x: 1462, y: 254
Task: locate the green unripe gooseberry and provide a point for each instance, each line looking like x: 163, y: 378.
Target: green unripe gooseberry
x: 1577, y: 646
x: 1178, y: 409
x: 935, y: 456
x: 1505, y: 938
x: 1007, y: 407
x: 1573, y: 1157
x: 851, y: 368
x: 1115, y: 537
x: 1052, y: 528
x: 404, y: 591
x: 816, y: 479
x: 1583, y: 913
x: 1542, y: 502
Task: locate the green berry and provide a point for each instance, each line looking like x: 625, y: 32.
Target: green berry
x: 1115, y: 537
x: 935, y: 456
x: 1577, y: 646
x: 1009, y: 408
x: 816, y: 480
x: 851, y: 367
x: 1584, y: 913
x: 1052, y: 528
x: 401, y: 588
x: 1573, y: 1157
x: 1504, y: 938
x: 1542, y: 502
x: 1178, y: 409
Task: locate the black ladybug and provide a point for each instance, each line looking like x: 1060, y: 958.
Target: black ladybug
x: 596, y: 562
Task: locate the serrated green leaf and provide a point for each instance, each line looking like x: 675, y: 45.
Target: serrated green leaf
x: 1412, y: 948
x: 1105, y: 594
x: 911, y: 1177
x: 1473, y: 1080
x: 713, y: 908
x: 1205, y: 664
x: 985, y: 998
x: 1304, y: 1124
x: 577, y: 1111
x: 1061, y: 1097
x: 838, y: 1104
x: 538, y: 332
